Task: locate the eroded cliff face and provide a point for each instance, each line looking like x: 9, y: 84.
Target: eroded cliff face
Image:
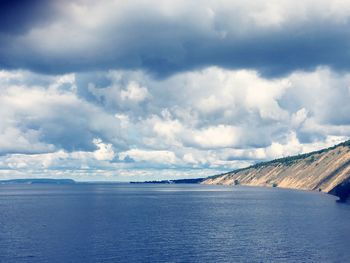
x: 322, y: 170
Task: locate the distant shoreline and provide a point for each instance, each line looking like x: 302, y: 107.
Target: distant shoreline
x: 71, y: 181
x: 178, y: 181
x: 38, y: 181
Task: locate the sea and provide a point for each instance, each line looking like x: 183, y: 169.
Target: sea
x: 99, y: 222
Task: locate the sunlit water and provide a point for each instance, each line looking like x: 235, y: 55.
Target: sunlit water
x: 170, y: 223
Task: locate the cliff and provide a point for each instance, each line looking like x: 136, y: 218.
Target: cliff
x: 327, y: 170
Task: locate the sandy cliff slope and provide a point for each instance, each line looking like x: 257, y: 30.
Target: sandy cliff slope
x: 322, y: 170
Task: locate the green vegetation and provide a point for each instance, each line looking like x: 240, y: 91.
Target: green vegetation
x: 311, y: 159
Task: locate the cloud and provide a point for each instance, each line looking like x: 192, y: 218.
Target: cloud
x: 63, y: 160
x: 274, y: 37
x: 159, y: 157
x: 113, y: 89
x: 19, y: 16
x: 38, y: 118
x: 134, y: 93
x: 105, y: 151
x: 12, y: 139
x: 216, y: 137
x: 212, y: 119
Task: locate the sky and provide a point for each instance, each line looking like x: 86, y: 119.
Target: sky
x: 148, y: 90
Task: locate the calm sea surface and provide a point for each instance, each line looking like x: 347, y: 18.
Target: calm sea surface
x: 170, y: 223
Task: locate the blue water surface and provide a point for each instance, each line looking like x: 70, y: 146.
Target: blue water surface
x: 170, y: 223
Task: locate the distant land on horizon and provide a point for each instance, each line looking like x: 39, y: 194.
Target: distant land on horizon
x: 38, y: 181
x: 71, y: 181
x: 55, y: 181
x: 175, y: 181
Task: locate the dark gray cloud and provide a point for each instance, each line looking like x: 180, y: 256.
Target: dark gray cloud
x: 18, y: 16
x: 72, y: 38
